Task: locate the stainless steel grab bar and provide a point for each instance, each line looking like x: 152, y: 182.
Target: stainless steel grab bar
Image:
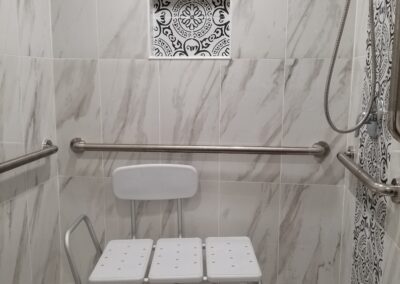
x: 320, y: 149
x: 47, y: 150
x: 346, y: 158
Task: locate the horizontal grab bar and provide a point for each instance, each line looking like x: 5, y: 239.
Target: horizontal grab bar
x: 47, y: 150
x: 346, y: 158
x: 320, y: 149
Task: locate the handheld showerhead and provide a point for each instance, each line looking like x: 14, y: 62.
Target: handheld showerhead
x: 365, y: 117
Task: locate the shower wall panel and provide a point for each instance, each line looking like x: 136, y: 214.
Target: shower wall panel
x: 30, y: 243
x: 270, y: 93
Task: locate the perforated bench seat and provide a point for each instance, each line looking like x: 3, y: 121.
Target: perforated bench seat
x: 177, y: 261
x: 123, y: 261
x: 231, y: 259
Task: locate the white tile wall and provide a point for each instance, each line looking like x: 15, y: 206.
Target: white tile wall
x: 14, y: 257
x: 34, y: 24
x: 9, y: 36
x: 30, y: 243
x: 105, y: 89
x: 11, y: 122
x: 312, y: 28
x: 309, y: 248
x: 74, y: 29
x: 259, y: 29
x: 77, y: 101
x: 44, y: 232
x: 304, y: 120
x: 121, y: 29
x: 189, y: 102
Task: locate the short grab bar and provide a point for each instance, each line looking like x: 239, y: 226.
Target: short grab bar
x: 320, y: 149
x: 346, y: 158
x: 47, y: 150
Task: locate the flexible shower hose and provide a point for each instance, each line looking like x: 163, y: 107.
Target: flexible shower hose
x: 364, y: 119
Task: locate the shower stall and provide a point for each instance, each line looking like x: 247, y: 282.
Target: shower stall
x: 284, y: 114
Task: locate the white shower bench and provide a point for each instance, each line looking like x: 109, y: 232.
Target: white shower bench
x: 170, y: 260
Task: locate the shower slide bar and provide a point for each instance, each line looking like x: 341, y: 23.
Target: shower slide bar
x: 48, y: 149
x: 393, y: 191
x: 319, y: 149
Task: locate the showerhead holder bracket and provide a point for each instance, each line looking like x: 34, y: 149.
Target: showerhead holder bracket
x: 372, y: 124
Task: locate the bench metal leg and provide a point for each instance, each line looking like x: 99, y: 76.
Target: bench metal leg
x: 67, y: 246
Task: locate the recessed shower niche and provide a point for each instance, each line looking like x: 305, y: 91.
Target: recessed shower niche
x: 190, y: 29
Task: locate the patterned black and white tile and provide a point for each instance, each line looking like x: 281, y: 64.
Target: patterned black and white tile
x: 374, y: 157
x: 191, y: 28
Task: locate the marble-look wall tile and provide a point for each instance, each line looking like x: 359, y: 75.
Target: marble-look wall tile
x: 251, y: 115
x: 310, y: 234
x: 359, y: 87
x: 395, y: 145
x: 74, y: 28
x: 189, y: 110
x: 207, y: 165
x: 9, y: 41
x: 250, y: 168
x: 44, y: 228
x: 200, y: 213
x: 37, y: 100
x: 252, y: 209
x: 10, y: 100
x: 189, y: 102
x: 259, y: 28
x: 313, y: 26
x: 130, y: 109
x: 81, y: 195
x: 252, y: 95
x: 35, y: 28
x: 169, y: 219
x: 118, y: 217
x: 361, y: 28
x: 14, y: 248
x: 390, y: 265
x: 77, y: 101
x: 305, y: 123
x: 114, y: 160
x: 346, y: 249
x: 12, y: 183
x: 129, y: 94
x: 38, y: 115
x: 123, y: 28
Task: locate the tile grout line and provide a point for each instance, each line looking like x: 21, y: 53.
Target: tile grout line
x: 282, y: 137
x: 98, y: 90
x: 351, y: 96
x: 219, y: 231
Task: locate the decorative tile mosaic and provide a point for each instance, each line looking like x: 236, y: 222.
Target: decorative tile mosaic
x: 191, y: 28
x: 374, y: 156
